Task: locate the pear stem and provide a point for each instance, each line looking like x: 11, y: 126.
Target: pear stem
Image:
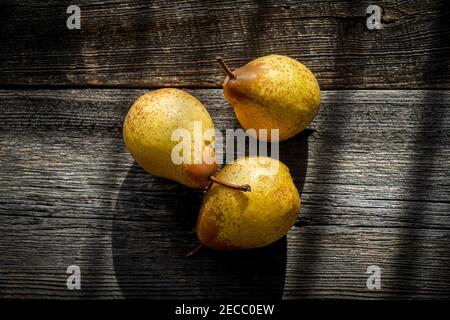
x: 194, y: 251
x: 225, y: 67
x: 244, y: 187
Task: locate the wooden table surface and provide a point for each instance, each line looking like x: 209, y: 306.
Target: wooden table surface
x: 373, y: 168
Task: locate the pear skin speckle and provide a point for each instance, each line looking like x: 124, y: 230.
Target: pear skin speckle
x: 232, y: 219
x: 274, y: 92
x: 147, y: 132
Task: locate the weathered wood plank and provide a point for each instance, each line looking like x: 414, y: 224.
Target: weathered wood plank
x: 374, y: 178
x: 161, y: 43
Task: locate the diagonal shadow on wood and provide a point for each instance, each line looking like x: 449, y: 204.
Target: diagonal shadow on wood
x: 427, y: 167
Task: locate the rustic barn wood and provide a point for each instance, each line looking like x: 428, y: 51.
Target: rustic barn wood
x: 373, y: 169
x: 173, y: 43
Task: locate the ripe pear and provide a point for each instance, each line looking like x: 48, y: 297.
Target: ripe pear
x: 273, y: 92
x: 232, y: 219
x: 147, y: 132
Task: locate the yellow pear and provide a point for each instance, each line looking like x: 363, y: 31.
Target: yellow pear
x: 148, y: 134
x: 232, y: 219
x: 273, y: 92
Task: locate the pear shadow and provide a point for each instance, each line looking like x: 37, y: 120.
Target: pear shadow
x: 153, y: 229
x: 294, y: 154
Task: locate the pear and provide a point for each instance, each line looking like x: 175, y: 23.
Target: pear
x: 147, y: 132
x: 231, y: 219
x: 272, y: 92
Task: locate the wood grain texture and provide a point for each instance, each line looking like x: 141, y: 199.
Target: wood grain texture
x: 174, y: 43
x: 373, y: 169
